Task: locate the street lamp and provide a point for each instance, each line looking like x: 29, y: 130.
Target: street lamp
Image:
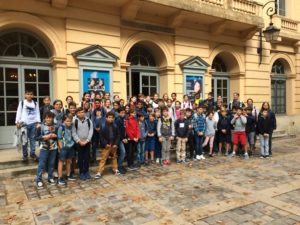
x: 271, y: 33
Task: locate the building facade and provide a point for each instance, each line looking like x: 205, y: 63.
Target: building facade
x: 126, y: 47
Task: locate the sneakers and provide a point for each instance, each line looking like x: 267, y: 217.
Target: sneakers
x: 82, y: 176
x: 98, y: 176
x: 61, y: 181
x: 55, y: 175
x: 202, y: 156
x: 157, y: 161
x: 71, y: 178
x: 51, y: 181
x: 198, y: 157
x: 226, y: 153
x: 87, y: 176
x: 122, y: 170
x: 246, y: 156
x: 179, y: 161
x: 34, y: 157
x: 132, y: 168
x: 164, y: 162
x: 117, y: 173
x: 39, y: 184
x: 262, y: 156
x: 232, y: 154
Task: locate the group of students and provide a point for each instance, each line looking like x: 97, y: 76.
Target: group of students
x: 142, y: 131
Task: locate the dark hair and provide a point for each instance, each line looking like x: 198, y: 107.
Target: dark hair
x: 141, y: 115
x: 262, y: 106
x: 139, y: 102
x: 47, y: 97
x: 27, y: 91
x: 116, y: 103
x: 152, y: 114
x: 67, y: 116
x: 188, y: 110
x: 56, y: 101
x: 49, y: 115
x: 97, y: 100
x: 72, y: 104
x: 79, y: 109
x: 210, y: 93
x: 110, y: 114
x: 250, y: 99
x: 131, y: 111
x: 182, y: 112
x: 165, y: 108
x: 236, y: 93
x: 69, y: 96
x: 174, y: 94
x: 121, y: 109
x: 239, y: 108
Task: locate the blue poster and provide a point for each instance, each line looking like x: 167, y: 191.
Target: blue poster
x: 96, y: 81
x: 194, y: 85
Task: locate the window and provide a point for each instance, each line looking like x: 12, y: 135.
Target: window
x: 220, y: 80
x: 140, y: 56
x: 278, y: 87
x: 281, y: 7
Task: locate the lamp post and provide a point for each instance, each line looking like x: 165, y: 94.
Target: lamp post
x: 271, y: 33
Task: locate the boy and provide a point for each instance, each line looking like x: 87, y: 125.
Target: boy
x: 158, y: 146
x: 47, y: 136
x: 120, y: 122
x: 199, y: 129
x: 141, y: 143
x: 151, y: 139
x: 239, y: 132
x: 66, y: 148
x: 96, y: 116
x: 110, y: 138
x: 140, y: 109
x: 28, y: 117
x: 46, y: 106
x: 181, y: 132
x: 171, y: 109
x: 264, y: 127
x: 82, y: 132
x: 72, y: 109
x: 224, y: 130
x: 133, y: 133
x: 190, y: 142
x: 165, y: 133
x: 250, y: 129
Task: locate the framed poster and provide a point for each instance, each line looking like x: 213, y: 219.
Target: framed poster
x: 194, y: 86
x: 96, y: 81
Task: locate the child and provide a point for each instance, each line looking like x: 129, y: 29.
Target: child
x: 58, y: 112
x: 186, y: 104
x: 238, y: 134
x: 177, y: 109
x: 46, y: 106
x: 199, y: 129
x: 182, y: 132
x: 190, y: 142
x: 151, y: 139
x: 224, y: 130
x: 28, y: 117
x: 66, y: 148
x: 82, y: 132
x: 165, y: 133
x: 47, y: 136
x: 250, y: 128
x: 264, y: 128
x: 133, y: 133
x: 158, y: 146
x: 87, y: 110
x: 110, y: 138
x: 143, y: 135
x: 171, y: 109
x: 210, y: 131
x: 72, y: 109
x: 120, y: 122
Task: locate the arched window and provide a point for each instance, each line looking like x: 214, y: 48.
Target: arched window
x: 21, y: 44
x: 140, y: 56
x: 220, y: 80
x: 278, y: 87
x: 218, y: 65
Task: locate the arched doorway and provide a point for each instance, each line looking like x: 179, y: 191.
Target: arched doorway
x: 142, y: 75
x: 220, y: 79
x: 278, y: 87
x: 24, y: 64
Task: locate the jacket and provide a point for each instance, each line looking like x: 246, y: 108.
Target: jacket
x: 120, y: 122
x: 239, y: 123
x: 198, y: 123
x: 182, y: 128
x: 143, y: 130
x: 264, y: 125
x: 272, y: 117
x: 224, y: 124
x: 165, y: 127
x: 251, y: 124
x: 152, y: 127
x: 109, y: 135
x: 132, y: 128
x: 45, y: 130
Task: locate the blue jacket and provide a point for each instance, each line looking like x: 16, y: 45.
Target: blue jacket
x: 224, y: 123
x: 120, y: 122
x: 251, y: 124
x: 143, y: 130
x: 198, y: 123
x: 152, y: 127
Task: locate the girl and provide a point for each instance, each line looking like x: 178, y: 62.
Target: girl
x: 155, y: 100
x: 107, y: 107
x: 165, y: 98
x: 58, y: 112
x: 86, y: 98
x: 186, y: 104
x: 151, y: 139
x: 177, y: 109
x: 46, y: 106
x: 210, y: 132
x: 122, y: 103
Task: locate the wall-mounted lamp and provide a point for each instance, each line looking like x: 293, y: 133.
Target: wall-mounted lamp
x: 271, y: 33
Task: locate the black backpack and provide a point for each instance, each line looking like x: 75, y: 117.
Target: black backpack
x: 76, y: 123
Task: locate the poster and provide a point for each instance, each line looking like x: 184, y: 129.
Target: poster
x: 96, y: 81
x: 194, y: 86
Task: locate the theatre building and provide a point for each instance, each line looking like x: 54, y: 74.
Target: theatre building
x: 126, y: 47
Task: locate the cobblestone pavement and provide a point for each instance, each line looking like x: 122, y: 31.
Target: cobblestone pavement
x: 219, y: 190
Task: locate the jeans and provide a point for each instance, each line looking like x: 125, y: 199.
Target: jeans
x: 270, y: 142
x: 158, y: 147
x: 46, y: 156
x: 31, y: 131
x: 83, y: 158
x: 95, y: 143
x: 191, y: 145
x: 166, y: 145
x: 199, y: 140
x: 141, y: 152
x: 121, y: 154
x: 264, y: 145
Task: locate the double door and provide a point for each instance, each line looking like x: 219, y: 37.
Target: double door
x: 14, y: 80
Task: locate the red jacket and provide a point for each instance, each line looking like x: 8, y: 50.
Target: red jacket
x: 132, y: 128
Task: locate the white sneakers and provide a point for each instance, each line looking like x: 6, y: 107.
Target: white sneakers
x: 200, y: 157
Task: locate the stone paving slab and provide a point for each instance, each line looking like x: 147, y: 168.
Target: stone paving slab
x: 292, y: 197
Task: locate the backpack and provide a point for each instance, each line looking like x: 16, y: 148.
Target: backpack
x: 23, y: 103
x: 76, y: 123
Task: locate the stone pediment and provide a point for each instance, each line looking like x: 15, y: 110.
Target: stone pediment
x: 95, y: 53
x: 194, y: 62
